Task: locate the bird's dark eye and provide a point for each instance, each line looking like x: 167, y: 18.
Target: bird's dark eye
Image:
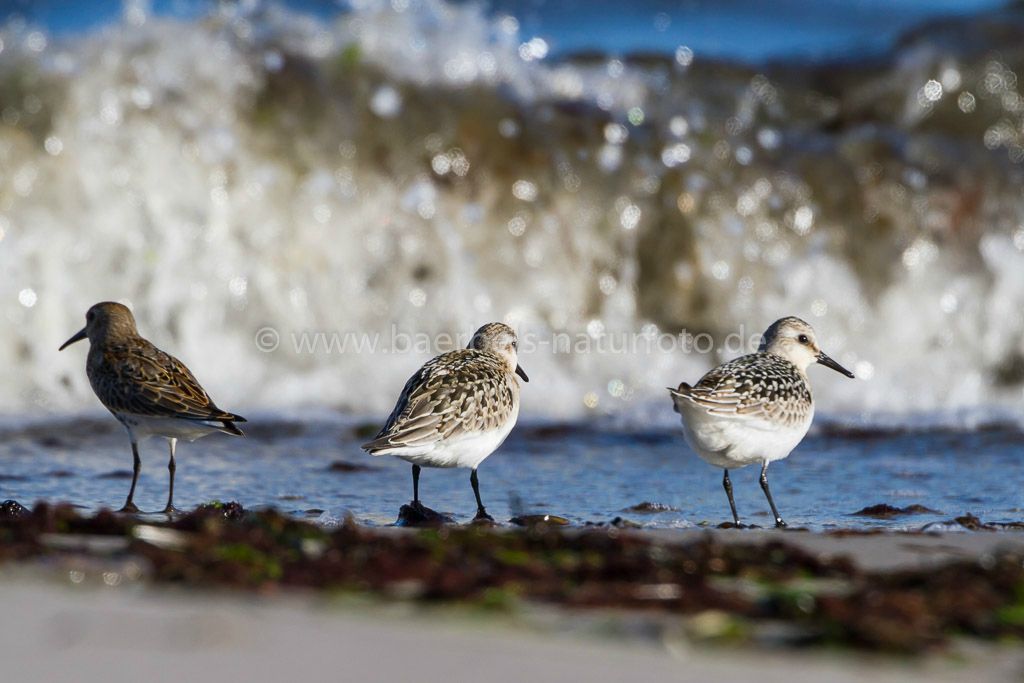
x: 803, y: 339
x: 515, y: 345
x: 89, y: 316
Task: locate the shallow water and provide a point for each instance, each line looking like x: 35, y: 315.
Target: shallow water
x: 574, y: 470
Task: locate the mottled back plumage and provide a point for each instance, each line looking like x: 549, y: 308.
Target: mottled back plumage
x: 131, y: 376
x: 458, y: 393
x: 757, y: 385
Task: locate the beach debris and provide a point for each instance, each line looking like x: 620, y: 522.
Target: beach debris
x: 534, y: 520
x: 230, y: 510
x: 421, y: 516
x: 737, y: 591
x: 885, y: 511
x: 343, y: 467
x: 11, y: 509
x: 649, y: 508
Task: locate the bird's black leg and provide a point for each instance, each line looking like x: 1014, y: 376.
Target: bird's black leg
x: 171, y: 468
x: 768, y: 494
x: 727, y: 485
x: 481, y: 512
x: 129, y: 505
x: 416, y: 513
x: 416, y: 486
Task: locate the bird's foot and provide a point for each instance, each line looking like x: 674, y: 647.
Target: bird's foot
x: 482, y: 517
x: 170, y: 510
x: 130, y: 508
x: 780, y: 523
x: 418, y: 514
x: 737, y: 525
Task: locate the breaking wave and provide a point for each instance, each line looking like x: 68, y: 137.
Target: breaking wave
x: 423, y: 167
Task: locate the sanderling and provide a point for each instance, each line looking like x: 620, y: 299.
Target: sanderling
x: 756, y: 408
x: 456, y: 410
x: 150, y: 392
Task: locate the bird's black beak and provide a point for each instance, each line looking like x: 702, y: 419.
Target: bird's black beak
x: 522, y: 373
x: 825, y: 360
x: 78, y: 337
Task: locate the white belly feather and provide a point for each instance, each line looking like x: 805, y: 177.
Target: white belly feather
x: 468, y: 450
x: 141, y: 427
x: 737, y: 441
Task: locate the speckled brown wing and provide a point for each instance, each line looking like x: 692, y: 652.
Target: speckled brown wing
x: 460, y: 392
x: 136, y: 377
x: 758, y: 385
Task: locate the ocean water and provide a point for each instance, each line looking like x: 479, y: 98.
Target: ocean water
x: 583, y: 472
x: 305, y: 204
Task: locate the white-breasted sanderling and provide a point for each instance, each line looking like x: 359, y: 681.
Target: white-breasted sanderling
x: 456, y: 410
x: 756, y: 408
x: 150, y: 392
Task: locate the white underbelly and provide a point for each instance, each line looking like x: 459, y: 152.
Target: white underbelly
x: 731, y: 442
x: 141, y: 427
x: 465, y: 451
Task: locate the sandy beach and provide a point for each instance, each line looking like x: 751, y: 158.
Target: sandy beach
x: 55, y: 630
x: 90, y: 606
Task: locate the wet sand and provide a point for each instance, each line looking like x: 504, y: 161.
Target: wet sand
x: 53, y: 633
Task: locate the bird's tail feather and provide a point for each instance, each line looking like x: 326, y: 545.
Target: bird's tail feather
x: 682, y: 393
x: 230, y: 428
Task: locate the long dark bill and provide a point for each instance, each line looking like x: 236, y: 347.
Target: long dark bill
x: 77, y: 338
x: 825, y: 360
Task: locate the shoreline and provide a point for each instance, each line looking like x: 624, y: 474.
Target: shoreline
x: 909, y: 593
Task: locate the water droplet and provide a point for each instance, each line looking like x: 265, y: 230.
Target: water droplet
x: 238, y: 286
x: 517, y: 226
x: 524, y: 190
x: 27, y: 297
x: 35, y: 41
x: 678, y: 126
x: 533, y: 50
x: 508, y: 128
x: 615, y: 133
x: 386, y: 102
x: 684, y: 56
x: 686, y: 203
x: 630, y: 217
x: 932, y: 91
x: 864, y: 369
x: 676, y: 154
x: 609, y: 157
x: 803, y: 219
x: 53, y: 145
x: 616, y: 388
x: 441, y: 164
